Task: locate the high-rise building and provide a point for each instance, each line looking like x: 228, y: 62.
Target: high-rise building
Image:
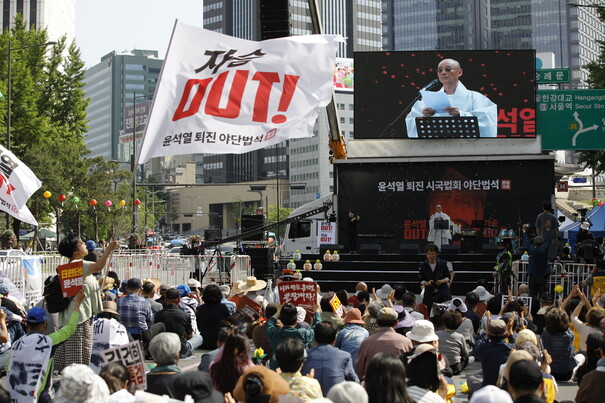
x: 570, y: 32
x: 300, y: 160
x: 118, y: 81
x: 57, y: 16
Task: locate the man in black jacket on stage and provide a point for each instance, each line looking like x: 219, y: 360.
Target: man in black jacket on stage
x: 434, y: 276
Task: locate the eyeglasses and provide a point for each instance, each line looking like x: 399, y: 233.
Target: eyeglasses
x: 447, y: 70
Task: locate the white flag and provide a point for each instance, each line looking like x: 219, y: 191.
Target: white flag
x: 17, y: 184
x: 219, y: 94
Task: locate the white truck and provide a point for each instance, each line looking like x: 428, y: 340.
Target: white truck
x: 302, y: 234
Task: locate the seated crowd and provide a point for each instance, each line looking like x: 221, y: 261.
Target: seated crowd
x: 382, y: 346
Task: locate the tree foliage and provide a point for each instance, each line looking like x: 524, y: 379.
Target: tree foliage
x: 595, y: 159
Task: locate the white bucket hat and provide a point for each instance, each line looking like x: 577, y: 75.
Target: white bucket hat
x: 423, y: 331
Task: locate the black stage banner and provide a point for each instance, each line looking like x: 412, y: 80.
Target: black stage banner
x: 395, y: 200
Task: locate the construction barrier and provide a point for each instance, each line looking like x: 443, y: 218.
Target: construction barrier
x: 25, y: 275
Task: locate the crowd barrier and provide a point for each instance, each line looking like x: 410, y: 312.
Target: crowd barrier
x: 25, y: 275
x: 566, y: 274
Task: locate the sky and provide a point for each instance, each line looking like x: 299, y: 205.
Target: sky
x: 106, y: 25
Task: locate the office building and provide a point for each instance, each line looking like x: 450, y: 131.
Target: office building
x: 57, y: 16
x: 113, y: 85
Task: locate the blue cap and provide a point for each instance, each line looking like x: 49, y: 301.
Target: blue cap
x: 183, y: 290
x: 3, y: 288
x: 36, y: 315
x: 90, y: 244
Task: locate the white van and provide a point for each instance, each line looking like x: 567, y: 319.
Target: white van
x: 302, y: 235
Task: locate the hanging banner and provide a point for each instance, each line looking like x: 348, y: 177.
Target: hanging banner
x: 326, y: 231
x: 17, y: 184
x: 220, y: 94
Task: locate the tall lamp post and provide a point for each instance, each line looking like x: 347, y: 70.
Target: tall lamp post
x: 9, y: 97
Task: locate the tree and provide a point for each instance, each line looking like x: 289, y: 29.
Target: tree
x: 595, y: 159
x: 274, y: 216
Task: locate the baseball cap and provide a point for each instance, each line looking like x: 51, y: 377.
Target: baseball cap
x: 134, y: 284
x: 36, y: 315
x: 184, y: 289
x: 90, y: 244
x: 3, y: 288
x: 585, y: 225
x: 288, y: 311
x: 387, y: 314
x: 496, y: 327
x: 491, y: 394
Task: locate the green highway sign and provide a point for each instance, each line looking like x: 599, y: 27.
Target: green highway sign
x: 571, y: 119
x: 552, y: 76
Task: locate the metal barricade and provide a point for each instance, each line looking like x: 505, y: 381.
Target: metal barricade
x: 566, y: 274
x: 173, y: 270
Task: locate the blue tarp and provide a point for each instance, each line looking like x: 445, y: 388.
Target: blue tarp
x: 596, y: 216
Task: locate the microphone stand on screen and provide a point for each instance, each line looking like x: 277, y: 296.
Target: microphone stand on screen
x: 390, y: 130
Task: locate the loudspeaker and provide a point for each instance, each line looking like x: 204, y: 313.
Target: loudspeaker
x: 261, y: 260
x: 407, y: 248
x: 331, y: 247
x: 369, y: 249
x: 450, y: 249
x: 274, y: 19
x: 250, y: 222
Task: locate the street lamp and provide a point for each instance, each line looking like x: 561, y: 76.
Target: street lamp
x: 259, y: 189
x: 134, y: 159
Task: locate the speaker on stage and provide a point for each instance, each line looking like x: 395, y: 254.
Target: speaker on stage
x: 409, y: 248
x: 250, y: 222
x: 369, y: 249
x: 450, y: 249
x: 261, y: 260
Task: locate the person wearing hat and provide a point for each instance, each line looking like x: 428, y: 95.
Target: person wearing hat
x: 108, y: 332
x: 484, y: 297
x: 350, y: 338
x: 179, y: 322
x: 287, y: 314
x: 78, y: 348
x: 148, y: 293
x: 107, y: 286
x: 503, y: 270
x: 198, y: 385
x: 10, y: 303
x: 259, y: 383
x: 225, y: 290
x: 136, y: 315
x: 36, y: 349
x: 92, y: 256
x: 253, y: 298
x: 492, y: 349
x: 584, y: 232
x: 384, y: 340
x: 525, y: 383
x: 491, y: 394
x: 188, y: 297
x: 538, y: 269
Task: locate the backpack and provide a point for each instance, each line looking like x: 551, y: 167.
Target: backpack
x: 53, y: 295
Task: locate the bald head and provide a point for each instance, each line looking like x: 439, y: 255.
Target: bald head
x: 361, y: 287
x: 449, y: 73
x: 449, y: 62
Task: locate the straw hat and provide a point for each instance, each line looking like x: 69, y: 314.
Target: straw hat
x: 236, y: 289
x: 156, y: 282
x: 110, y: 283
x: 253, y: 284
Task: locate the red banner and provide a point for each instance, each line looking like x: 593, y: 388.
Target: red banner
x: 300, y: 293
x: 71, y: 278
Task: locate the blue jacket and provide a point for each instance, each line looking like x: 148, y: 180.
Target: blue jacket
x: 331, y: 366
x: 349, y: 339
x: 538, y: 260
x: 492, y: 354
x: 561, y: 349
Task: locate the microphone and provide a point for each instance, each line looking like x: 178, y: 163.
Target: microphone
x: 430, y: 85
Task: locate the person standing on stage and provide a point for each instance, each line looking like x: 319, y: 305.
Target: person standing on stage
x: 435, y: 277
x: 437, y: 233
x: 547, y: 227
x: 503, y: 271
x: 352, y: 221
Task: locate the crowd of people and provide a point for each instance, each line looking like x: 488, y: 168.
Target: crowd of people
x: 382, y: 345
